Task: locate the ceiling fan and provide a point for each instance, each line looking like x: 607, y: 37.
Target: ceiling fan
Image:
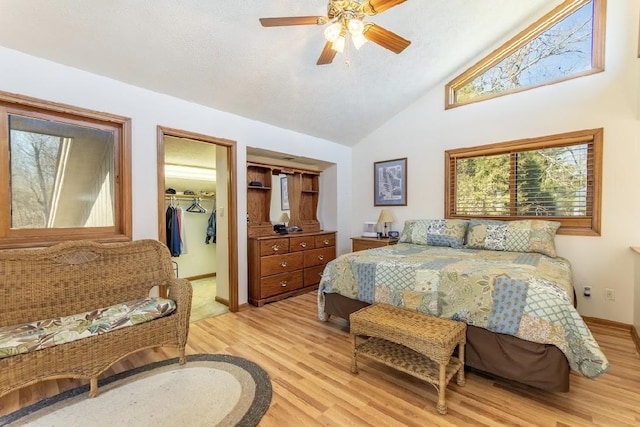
x: 346, y: 22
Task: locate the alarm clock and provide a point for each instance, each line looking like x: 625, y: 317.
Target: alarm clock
x: 394, y: 234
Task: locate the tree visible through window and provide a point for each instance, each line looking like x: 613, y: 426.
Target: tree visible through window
x: 566, y: 43
x: 34, y: 160
x: 556, y: 177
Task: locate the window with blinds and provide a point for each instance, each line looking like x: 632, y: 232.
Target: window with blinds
x: 555, y: 177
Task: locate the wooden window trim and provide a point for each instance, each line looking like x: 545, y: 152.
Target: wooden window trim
x: 122, y: 230
x: 584, y: 226
x: 547, y: 21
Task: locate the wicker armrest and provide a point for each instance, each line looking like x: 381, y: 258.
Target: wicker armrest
x: 180, y: 291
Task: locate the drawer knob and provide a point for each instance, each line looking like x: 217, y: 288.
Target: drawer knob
x: 283, y: 264
x: 320, y: 257
x: 283, y: 283
x: 275, y: 248
x: 303, y: 244
x: 325, y: 241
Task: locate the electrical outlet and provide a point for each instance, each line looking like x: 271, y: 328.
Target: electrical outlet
x: 610, y: 294
x: 586, y: 291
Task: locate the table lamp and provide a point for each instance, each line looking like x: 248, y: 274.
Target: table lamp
x: 386, y: 218
x: 284, y: 218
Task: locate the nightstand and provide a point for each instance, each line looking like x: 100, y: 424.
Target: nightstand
x: 362, y: 243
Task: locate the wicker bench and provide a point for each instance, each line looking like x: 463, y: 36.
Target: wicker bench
x: 78, y: 276
x: 412, y: 342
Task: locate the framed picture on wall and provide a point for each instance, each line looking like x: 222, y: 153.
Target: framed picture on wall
x: 284, y: 194
x: 390, y: 183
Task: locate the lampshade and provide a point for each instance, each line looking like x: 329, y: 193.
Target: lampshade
x: 284, y: 217
x: 358, y: 40
x: 332, y: 32
x: 385, y: 216
x: 338, y: 45
x: 355, y: 26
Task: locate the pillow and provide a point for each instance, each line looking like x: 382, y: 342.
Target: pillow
x: 515, y: 236
x: 435, y: 232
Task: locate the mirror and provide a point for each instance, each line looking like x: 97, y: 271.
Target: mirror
x: 279, y: 199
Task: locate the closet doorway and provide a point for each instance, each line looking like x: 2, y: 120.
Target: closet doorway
x: 197, y: 215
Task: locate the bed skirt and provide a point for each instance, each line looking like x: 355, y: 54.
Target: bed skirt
x: 542, y: 366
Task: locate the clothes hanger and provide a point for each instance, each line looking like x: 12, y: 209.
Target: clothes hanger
x: 196, y: 207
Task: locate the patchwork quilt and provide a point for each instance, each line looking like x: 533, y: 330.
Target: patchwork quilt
x: 527, y: 295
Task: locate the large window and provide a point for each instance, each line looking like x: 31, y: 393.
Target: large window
x: 64, y: 175
x: 568, y: 42
x: 555, y: 177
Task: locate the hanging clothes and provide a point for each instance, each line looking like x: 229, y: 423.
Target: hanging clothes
x: 173, y: 231
x: 211, y: 228
x: 182, y: 219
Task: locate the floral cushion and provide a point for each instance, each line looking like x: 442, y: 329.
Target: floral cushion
x: 41, y: 334
x: 514, y: 236
x: 435, y: 232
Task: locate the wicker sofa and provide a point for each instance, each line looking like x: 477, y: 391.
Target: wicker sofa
x: 81, y: 276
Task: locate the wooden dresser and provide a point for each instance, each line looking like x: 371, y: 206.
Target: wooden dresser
x: 281, y: 266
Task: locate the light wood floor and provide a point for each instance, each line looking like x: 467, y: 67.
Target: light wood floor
x: 309, y: 365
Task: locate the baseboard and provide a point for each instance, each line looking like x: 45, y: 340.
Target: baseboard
x: 608, y: 323
x: 200, y: 276
x: 636, y: 338
x: 244, y: 306
x: 618, y: 325
x: 222, y: 300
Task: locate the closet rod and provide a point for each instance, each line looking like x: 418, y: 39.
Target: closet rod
x: 187, y: 197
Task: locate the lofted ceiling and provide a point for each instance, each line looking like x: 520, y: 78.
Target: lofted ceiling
x: 216, y: 53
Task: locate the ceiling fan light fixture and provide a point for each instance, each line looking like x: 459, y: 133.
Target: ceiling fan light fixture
x: 358, y: 40
x: 355, y: 26
x: 338, y: 44
x: 345, y: 20
x: 332, y: 32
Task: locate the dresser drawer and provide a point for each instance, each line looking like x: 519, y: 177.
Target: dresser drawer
x: 274, y: 246
x: 313, y: 275
x: 319, y: 256
x: 302, y: 243
x: 275, y: 264
x: 325, y: 240
x: 279, y: 283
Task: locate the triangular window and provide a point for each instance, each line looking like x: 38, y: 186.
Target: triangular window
x: 567, y: 42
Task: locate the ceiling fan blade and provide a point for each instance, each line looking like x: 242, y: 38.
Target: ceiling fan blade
x: 293, y: 20
x: 373, y: 7
x: 385, y: 38
x: 327, y: 55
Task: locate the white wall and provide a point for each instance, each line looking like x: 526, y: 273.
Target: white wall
x: 609, y: 99
x: 35, y: 77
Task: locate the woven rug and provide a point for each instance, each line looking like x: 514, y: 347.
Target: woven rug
x: 209, y: 390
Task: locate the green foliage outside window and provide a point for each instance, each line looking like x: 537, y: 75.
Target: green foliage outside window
x: 556, y: 177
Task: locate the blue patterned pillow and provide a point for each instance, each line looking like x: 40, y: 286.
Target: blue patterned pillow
x: 435, y: 232
x: 515, y: 236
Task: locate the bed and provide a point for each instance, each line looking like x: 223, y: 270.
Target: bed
x: 503, y: 279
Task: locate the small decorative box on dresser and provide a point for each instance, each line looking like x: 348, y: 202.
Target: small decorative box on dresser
x: 281, y: 266
x: 362, y: 243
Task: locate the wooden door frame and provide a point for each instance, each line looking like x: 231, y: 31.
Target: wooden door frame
x: 231, y: 147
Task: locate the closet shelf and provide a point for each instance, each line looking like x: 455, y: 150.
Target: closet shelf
x: 187, y: 197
